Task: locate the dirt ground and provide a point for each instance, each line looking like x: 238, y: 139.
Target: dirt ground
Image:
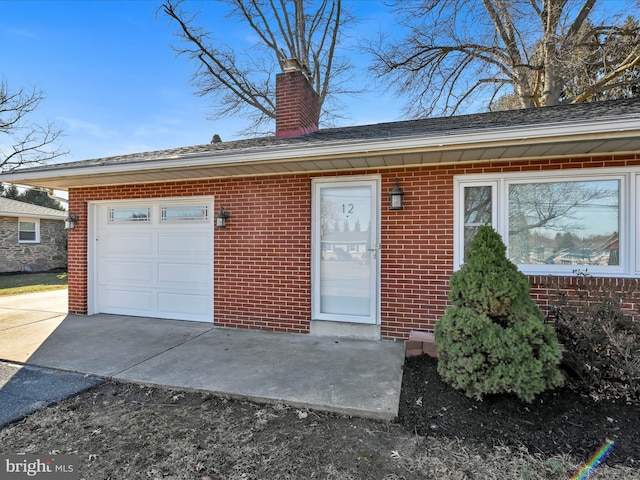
x: 129, y: 431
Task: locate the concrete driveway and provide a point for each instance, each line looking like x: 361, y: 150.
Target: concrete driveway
x: 349, y: 376
x: 27, y: 320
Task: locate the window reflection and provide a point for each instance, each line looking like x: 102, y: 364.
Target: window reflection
x: 477, y: 211
x: 129, y: 214
x: 565, y: 223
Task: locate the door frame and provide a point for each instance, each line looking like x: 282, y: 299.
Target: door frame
x: 375, y: 182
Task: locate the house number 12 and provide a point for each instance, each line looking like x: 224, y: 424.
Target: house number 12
x: 347, y: 208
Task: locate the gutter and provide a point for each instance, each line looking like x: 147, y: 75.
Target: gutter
x: 34, y: 215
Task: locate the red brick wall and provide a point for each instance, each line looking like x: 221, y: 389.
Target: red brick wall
x: 262, y: 260
x: 549, y: 290
x: 77, y: 256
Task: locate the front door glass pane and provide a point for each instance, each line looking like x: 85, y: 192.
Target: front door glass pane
x: 346, y: 250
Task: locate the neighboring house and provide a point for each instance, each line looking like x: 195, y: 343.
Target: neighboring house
x: 561, y: 185
x: 32, y: 238
x: 346, y: 246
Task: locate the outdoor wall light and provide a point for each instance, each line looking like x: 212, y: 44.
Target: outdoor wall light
x: 70, y: 221
x: 221, y: 218
x: 396, y: 195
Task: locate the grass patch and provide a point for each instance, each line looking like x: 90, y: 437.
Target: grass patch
x: 32, y: 282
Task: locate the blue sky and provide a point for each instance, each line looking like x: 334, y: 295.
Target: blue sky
x: 114, y: 85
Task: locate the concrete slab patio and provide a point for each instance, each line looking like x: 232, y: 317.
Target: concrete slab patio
x: 342, y: 375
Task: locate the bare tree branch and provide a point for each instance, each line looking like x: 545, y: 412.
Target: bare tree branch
x: 23, y: 143
x: 550, y: 51
x: 632, y: 60
x: 581, y: 17
x: 243, y: 82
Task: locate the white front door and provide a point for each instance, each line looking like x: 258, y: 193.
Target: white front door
x: 345, y: 258
x: 154, y: 258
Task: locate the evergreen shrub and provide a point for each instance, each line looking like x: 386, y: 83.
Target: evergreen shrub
x: 492, y: 339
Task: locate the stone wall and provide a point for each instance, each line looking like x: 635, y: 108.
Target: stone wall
x: 50, y: 253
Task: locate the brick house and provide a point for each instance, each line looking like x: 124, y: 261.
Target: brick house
x: 560, y: 184
x: 32, y: 237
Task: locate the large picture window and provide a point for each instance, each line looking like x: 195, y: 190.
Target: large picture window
x: 564, y: 223
x: 554, y: 223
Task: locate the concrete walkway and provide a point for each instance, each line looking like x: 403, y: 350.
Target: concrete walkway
x: 347, y: 376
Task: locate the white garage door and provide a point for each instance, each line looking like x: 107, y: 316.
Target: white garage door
x: 155, y: 259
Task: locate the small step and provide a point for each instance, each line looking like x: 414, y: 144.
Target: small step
x: 422, y: 336
x: 413, y: 348
x: 419, y: 343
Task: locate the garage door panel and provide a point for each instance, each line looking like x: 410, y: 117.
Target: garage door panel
x: 180, y: 273
x: 183, y: 304
x: 128, y: 243
x: 156, y: 268
x: 129, y: 271
x: 184, y: 244
x: 123, y: 301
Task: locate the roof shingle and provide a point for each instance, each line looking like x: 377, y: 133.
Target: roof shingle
x: 561, y: 114
x: 14, y: 208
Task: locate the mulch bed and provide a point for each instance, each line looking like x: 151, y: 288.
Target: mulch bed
x: 559, y: 421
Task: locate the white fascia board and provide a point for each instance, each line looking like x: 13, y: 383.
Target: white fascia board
x: 530, y: 134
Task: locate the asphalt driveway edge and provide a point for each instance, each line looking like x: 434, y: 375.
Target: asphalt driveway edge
x: 25, y: 389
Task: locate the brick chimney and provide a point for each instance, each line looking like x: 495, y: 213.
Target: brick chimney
x: 297, y: 104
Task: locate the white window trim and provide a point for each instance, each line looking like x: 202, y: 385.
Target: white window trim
x: 629, y: 210
x: 31, y: 220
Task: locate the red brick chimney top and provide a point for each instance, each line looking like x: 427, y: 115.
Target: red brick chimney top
x: 297, y: 103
